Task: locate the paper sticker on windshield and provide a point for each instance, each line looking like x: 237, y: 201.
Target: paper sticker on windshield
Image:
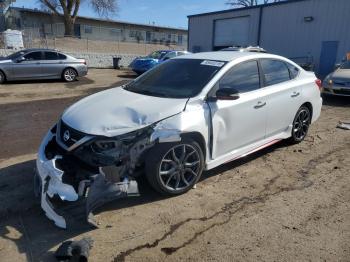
x: 212, y: 63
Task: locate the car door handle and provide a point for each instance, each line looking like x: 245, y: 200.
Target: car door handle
x: 38, y: 63
x: 295, y: 94
x: 259, y: 105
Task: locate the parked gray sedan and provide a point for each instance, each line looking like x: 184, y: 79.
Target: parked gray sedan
x: 338, y: 82
x: 41, y: 64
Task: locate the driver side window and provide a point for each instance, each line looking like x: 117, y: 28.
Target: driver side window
x: 243, y: 77
x: 33, y: 56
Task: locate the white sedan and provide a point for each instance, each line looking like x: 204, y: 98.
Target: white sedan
x: 190, y: 114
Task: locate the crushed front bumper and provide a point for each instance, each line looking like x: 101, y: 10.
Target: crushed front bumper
x: 66, y: 203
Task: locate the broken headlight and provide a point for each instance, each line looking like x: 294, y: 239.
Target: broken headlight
x: 102, y: 146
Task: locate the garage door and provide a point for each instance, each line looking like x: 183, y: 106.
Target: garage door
x: 231, y: 32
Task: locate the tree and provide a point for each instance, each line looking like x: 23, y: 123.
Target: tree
x: 69, y: 10
x: 246, y: 3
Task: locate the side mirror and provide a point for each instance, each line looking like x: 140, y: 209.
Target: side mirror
x: 336, y: 66
x: 20, y: 59
x: 165, y: 58
x: 227, y: 93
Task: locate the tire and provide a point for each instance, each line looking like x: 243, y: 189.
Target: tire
x: 69, y: 75
x: 301, y: 125
x: 2, y: 77
x: 171, y: 159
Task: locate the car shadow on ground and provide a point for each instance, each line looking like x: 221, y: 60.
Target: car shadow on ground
x: 78, y: 82
x: 128, y: 74
x: 337, y: 101
x: 23, y: 222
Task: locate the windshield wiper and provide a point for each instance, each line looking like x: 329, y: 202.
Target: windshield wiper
x: 147, y: 92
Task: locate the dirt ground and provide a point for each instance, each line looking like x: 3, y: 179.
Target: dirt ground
x: 285, y: 203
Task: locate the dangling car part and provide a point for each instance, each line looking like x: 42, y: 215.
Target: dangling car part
x: 190, y: 114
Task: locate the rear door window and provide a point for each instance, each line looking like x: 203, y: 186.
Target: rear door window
x: 274, y: 71
x: 33, y: 56
x: 50, y: 55
x: 293, y: 70
x: 61, y: 56
x: 243, y: 77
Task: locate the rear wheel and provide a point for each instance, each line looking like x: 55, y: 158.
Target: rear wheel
x: 69, y: 75
x: 301, y: 124
x: 174, y: 168
x: 2, y: 77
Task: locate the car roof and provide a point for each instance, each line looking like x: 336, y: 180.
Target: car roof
x: 219, y: 55
x: 228, y: 56
x: 38, y: 49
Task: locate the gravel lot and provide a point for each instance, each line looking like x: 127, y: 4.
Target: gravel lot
x: 286, y: 203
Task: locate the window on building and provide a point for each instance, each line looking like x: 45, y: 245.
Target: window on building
x: 274, y: 71
x: 114, y: 32
x: 243, y: 77
x: 179, y: 39
x: 132, y: 33
x: 88, y: 29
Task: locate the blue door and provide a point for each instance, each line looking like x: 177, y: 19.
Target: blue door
x: 328, y: 57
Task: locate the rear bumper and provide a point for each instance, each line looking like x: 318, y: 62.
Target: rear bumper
x: 82, y: 70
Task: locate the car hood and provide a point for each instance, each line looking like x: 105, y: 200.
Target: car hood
x: 341, y: 74
x: 117, y: 111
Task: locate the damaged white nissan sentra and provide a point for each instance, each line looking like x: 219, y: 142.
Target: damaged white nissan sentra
x: 189, y: 114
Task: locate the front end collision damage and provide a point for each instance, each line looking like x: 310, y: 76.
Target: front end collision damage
x: 73, y: 181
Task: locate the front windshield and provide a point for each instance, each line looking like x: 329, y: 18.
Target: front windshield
x: 157, y: 54
x: 177, y: 78
x: 345, y: 65
x: 15, y: 55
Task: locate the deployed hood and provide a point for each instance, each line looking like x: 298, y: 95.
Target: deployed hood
x: 117, y: 111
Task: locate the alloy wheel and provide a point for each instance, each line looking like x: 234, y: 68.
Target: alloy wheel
x: 180, y: 167
x: 69, y: 75
x: 301, y: 124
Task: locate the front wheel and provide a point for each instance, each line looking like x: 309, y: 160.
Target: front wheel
x: 174, y: 168
x: 301, y: 124
x: 2, y: 77
x: 69, y: 75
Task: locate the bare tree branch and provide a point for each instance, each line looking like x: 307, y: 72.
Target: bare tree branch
x: 70, y: 8
x: 247, y: 3
x: 51, y: 4
x: 104, y: 7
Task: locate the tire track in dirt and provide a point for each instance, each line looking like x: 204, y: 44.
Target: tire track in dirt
x: 235, y: 206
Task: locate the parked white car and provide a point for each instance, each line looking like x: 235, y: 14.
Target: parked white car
x: 189, y: 114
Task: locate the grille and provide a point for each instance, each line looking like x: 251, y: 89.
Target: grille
x: 69, y: 136
x: 341, y: 83
x: 342, y: 92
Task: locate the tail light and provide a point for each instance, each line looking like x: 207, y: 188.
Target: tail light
x: 318, y: 83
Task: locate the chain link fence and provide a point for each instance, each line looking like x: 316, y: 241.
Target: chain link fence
x: 102, y: 40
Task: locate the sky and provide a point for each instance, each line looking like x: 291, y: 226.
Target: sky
x: 161, y: 12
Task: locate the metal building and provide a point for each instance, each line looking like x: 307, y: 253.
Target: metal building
x: 315, y: 32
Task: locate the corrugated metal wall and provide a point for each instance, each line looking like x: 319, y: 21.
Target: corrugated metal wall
x: 283, y: 29
x: 201, y: 28
x: 285, y: 32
